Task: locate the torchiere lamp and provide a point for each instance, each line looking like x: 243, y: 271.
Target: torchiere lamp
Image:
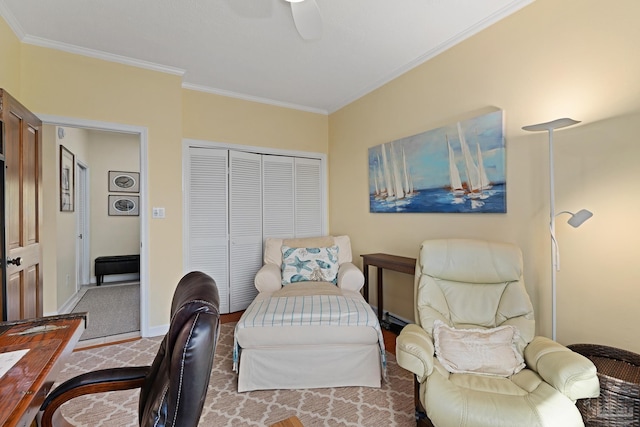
x: 576, y: 219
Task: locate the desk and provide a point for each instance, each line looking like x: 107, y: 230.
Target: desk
x: 24, y: 387
x: 289, y: 422
x: 382, y: 261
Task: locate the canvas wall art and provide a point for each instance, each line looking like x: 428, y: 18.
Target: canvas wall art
x: 458, y: 168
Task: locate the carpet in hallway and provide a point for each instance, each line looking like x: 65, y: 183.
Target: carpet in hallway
x: 113, y: 310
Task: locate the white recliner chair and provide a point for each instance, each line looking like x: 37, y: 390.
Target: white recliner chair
x: 473, y: 350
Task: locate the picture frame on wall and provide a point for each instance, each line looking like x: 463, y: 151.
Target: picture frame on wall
x: 124, y: 182
x: 124, y: 205
x: 67, y: 179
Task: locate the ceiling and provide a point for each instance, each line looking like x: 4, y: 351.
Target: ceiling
x: 250, y: 49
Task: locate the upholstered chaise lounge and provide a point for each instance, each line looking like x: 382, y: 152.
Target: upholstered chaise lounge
x: 308, y: 333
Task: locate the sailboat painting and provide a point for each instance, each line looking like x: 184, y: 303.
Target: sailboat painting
x: 455, y: 168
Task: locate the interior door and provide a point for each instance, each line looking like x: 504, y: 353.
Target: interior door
x: 308, y: 198
x: 82, y: 234
x: 245, y: 227
x: 278, y: 206
x: 22, y: 149
x: 207, y: 204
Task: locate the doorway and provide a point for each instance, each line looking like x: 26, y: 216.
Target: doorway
x: 82, y: 221
x: 84, y: 199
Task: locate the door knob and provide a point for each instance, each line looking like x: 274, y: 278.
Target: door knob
x: 14, y: 261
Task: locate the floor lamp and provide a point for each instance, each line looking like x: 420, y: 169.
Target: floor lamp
x: 576, y: 219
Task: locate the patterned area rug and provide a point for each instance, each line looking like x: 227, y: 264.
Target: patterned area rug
x: 390, y: 405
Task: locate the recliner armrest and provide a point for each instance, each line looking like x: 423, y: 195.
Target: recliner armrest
x: 350, y: 277
x: 414, y: 351
x: 268, y: 278
x: 570, y: 373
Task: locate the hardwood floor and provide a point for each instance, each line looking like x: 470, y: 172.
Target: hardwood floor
x: 389, y: 336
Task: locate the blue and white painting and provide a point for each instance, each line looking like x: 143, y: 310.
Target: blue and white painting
x: 455, y: 168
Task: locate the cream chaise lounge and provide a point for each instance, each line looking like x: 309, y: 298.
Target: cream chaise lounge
x: 308, y: 334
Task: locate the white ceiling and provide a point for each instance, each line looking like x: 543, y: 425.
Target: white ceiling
x: 250, y: 48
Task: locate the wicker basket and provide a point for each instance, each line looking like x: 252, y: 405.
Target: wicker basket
x: 619, y: 373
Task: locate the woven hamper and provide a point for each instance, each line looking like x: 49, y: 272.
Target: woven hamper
x: 619, y: 373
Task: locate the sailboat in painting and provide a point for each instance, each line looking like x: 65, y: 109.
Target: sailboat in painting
x: 392, y: 177
x: 457, y: 190
x: 477, y: 180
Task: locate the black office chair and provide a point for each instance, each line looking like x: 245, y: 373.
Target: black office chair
x: 174, y: 387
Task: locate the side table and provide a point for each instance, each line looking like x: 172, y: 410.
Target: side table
x: 619, y: 374
x: 382, y: 261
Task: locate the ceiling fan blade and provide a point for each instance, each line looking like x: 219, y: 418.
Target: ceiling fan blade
x: 306, y: 16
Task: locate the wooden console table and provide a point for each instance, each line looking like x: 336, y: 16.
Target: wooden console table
x: 382, y: 261
x: 48, y: 341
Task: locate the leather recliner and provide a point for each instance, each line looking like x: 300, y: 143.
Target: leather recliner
x: 478, y: 285
x: 174, y: 387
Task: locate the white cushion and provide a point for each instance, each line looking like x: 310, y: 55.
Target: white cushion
x: 481, y: 351
x: 273, y: 253
x: 309, y: 264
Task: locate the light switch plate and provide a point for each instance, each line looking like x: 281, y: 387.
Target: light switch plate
x: 158, y: 213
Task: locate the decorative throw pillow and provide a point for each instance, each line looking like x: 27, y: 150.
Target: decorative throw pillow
x: 309, y: 265
x: 479, y: 351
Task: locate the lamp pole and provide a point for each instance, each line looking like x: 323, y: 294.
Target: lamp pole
x: 549, y: 127
x: 552, y: 229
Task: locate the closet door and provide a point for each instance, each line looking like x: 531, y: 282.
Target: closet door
x: 278, y: 210
x: 308, y: 198
x: 245, y: 221
x: 206, y: 200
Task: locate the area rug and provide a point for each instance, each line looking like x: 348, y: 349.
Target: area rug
x: 113, y: 310
x: 388, y: 406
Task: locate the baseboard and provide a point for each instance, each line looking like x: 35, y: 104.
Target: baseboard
x: 70, y: 303
x: 117, y: 278
x: 156, y: 331
x: 392, y: 321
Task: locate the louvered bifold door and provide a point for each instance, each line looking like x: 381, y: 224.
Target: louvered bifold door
x: 308, y: 198
x: 278, y: 197
x: 245, y: 226
x: 206, y: 198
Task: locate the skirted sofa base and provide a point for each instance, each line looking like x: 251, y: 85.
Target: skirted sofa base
x: 308, y: 356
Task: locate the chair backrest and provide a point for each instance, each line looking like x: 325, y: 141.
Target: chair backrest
x: 472, y: 284
x: 175, y: 389
x: 273, y: 247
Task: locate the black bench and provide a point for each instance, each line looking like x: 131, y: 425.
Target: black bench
x: 118, y: 264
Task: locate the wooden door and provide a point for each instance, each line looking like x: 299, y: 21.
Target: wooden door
x: 22, y: 252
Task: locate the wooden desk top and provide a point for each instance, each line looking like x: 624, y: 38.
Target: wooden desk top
x: 289, y: 422
x: 24, y: 387
x: 390, y: 262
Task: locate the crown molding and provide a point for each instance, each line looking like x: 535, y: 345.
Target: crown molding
x: 260, y: 100
x: 65, y: 47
